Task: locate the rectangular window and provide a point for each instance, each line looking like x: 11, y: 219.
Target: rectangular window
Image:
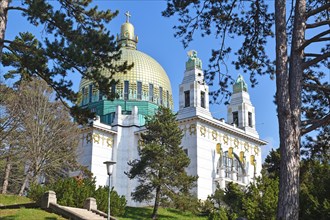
x: 235, y: 118
x: 126, y: 90
x: 161, y: 95
x: 151, y: 92
x: 100, y: 95
x: 139, y: 91
x: 187, y: 98
x: 202, y: 99
x: 83, y: 96
x: 168, y: 99
x: 250, y: 119
x: 185, y: 151
x: 90, y: 93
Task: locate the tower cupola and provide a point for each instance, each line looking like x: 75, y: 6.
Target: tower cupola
x: 240, y: 111
x: 194, y: 93
x: 127, y: 37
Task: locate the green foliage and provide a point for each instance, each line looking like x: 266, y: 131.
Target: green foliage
x: 257, y: 201
x: 314, y: 190
x: 260, y: 200
x: 272, y: 163
x: 77, y: 42
x: 117, y: 203
x: 73, y: 192
x: 251, y: 22
x: 161, y: 167
x: 143, y: 213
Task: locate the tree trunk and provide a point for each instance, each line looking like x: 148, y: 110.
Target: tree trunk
x: 26, y: 179
x: 288, y: 98
x: 6, y: 177
x: 154, y: 213
x: 3, y: 23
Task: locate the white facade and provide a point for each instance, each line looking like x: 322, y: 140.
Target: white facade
x: 220, y: 152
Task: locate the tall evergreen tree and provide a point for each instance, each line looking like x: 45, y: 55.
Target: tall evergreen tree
x: 161, y: 167
x: 76, y: 41
x: 296, y: 71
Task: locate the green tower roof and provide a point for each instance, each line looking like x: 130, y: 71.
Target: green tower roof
x: 193, y: 61
x: 240, y: 85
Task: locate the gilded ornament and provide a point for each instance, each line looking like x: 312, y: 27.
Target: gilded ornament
x: 230, y: 152
x: 109, y: 142
x: 225, y: 139
x: 256, y: 150
x: 236, y: 142
x: 214, y: 135
x: 96, y: 138
x: 203, y: 130
x: 192, y: 129
x: 252, y: 160
x: 246, y: 147
x: 241, y: 157
x: 218, y: 148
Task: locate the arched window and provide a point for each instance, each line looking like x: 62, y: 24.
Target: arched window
x: 231, y: 164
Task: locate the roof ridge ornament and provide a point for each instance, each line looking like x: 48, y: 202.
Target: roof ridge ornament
x: 128, y: 15
x: 127, y: 38
x: 193, y: 61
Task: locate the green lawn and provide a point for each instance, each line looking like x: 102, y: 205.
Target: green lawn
x: 145, y: 213
x: 26, y: 214
x: 22, y: 213
x: 13, y: 200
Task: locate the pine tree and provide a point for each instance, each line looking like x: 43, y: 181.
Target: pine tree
x: 161, y: 168
x: 297, y: 65
x: 76, y: 42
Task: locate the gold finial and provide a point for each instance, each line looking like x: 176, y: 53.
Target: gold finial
x: 128, y: 15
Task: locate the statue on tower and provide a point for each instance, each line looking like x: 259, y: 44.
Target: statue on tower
x: 193, y: 61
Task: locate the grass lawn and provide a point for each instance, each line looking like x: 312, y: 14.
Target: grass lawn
x: 145, y: 213
x: 22, y: 213
x: 13, y: 199
x: 27, y: 214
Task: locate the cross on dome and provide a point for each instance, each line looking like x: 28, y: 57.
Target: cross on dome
x: 128, y: 15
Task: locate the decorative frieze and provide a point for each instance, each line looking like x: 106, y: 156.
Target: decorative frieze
x: 97, y: 139
x: 219, y: 137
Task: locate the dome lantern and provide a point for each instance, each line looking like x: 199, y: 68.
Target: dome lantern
x: 127, y: 37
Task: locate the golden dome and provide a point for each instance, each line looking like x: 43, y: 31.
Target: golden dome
x: 147, y: 80
x: 145, y: 70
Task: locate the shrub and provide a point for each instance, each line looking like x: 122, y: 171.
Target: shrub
x: 73, y: 192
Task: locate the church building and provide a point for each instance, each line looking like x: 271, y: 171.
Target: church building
x: 220, y: 151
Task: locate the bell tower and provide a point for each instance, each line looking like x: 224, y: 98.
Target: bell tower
x: 240, y: 111
x: 194, y: 93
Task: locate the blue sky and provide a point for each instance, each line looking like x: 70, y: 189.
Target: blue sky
x: 156, y: 38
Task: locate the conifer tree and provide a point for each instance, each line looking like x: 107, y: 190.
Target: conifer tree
x: 161, y: 168
x: 301, y: 47
x: 76, y: 41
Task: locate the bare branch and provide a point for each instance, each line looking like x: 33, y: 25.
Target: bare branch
x: 316, y: 124
x: 313, y: 39
x: 17, y: 8
x: 317, y: 10
x: 315, y: 60
x: 312, y: 54
x: 317, y: 24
